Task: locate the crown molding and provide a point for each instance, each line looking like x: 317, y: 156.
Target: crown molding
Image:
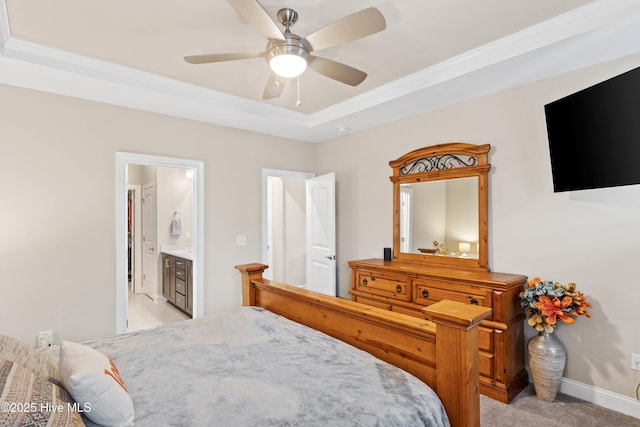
x: 43, y: 68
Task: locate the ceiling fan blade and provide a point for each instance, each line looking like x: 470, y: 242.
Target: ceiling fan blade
x: 360, y: 24
x: 274, y: 87
x: 337, y: 71
x: 255, y: 14
x: 221, y: 57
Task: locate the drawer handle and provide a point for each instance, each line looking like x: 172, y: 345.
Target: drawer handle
x: 474, y: 301
x: 373, y: 278
x: 399, y: 288
x: 425, y: 293
x: 365, y: 282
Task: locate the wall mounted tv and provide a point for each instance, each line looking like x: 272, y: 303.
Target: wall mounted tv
x: 594, y: 135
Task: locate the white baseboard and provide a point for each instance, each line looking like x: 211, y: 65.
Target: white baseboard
x: 604, y: 398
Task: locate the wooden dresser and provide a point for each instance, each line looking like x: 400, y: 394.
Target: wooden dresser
x: 407, y: 287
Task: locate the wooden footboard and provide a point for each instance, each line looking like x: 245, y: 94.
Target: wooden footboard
x: 441, y: 351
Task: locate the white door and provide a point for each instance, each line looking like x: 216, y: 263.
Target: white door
x: 149, y: 266
x: 321, y: 234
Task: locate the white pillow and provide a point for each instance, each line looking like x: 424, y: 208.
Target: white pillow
x: 92, y: 379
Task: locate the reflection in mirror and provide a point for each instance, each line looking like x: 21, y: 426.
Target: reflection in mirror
x: 440, y: 217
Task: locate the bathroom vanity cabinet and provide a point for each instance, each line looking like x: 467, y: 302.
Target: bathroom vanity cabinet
x: 177, y: 282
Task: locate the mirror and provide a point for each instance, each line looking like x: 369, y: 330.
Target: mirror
x: 440, y: 217
x: 440, y: 205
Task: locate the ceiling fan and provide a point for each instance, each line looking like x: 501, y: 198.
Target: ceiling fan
x: 289, y: 55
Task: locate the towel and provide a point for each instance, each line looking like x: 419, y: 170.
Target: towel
x: 176, y: 224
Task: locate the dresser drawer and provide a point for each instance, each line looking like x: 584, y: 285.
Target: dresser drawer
x: 181, y: 287
x: 387, y: 285
x: 181, y: 301
x: 486, y: 364
x: 485, y: 339
x: 180, y: 274
x: 428, y: 292
x: 181, y: 263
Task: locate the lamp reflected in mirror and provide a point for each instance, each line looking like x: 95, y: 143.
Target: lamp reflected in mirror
x: 464, y: 248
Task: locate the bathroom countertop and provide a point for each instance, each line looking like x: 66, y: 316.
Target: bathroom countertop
x: 185, y: 252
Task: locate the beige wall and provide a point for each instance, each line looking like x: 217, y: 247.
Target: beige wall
x: 588, y: 237
x: 57, y: 222
x: 174, y: 192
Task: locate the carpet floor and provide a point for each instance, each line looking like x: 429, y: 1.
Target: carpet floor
x: 527, y: 410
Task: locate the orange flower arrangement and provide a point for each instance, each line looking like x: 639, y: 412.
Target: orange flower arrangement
x: 546, y: 302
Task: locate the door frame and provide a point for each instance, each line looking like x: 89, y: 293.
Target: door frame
x: 122, y: 160
x: 137, y: 241
x: 266, y: 173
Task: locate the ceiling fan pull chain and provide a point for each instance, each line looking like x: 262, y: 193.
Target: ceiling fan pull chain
x: 298, y: 103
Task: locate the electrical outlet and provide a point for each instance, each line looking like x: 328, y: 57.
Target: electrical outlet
x: 45, y: 339
x: 635, y: 362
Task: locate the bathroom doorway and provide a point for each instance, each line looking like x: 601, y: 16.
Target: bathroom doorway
x: 196, y: 168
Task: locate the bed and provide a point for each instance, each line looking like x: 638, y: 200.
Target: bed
x: 254, y: 366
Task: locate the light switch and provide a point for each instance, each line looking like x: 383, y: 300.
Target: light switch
x: 241, y: 240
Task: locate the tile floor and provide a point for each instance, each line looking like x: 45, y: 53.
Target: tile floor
x: 143, y: 313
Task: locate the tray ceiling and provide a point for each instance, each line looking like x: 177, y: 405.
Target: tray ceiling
x: 432, y: 53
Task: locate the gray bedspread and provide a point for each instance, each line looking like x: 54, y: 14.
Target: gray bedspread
x: 250, y: 367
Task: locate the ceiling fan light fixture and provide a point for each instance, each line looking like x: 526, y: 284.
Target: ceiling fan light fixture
x: 287, y: 59
x: 288, y: 65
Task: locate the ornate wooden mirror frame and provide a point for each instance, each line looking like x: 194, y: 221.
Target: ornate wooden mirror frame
x: 443, y: 162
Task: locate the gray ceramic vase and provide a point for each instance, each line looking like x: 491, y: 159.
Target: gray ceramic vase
x: 547, y: 359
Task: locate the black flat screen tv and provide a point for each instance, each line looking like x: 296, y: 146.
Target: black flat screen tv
x: 594, y: 135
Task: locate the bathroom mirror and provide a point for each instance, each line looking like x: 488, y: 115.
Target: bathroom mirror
x: 440, y: 205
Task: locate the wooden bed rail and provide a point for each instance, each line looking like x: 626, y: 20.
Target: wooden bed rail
x: 441, y: 351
